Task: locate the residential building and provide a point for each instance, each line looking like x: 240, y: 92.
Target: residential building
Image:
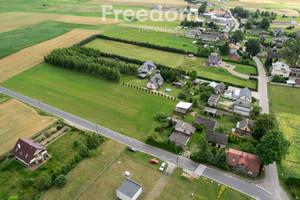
x: 29, y: 152
x: 212, y: 84
x: 243, y: 128
x: 155, y: 82
x: 213, y: 100
x: 210, y: 124
x: 192, y: 33
x: 278, y: 31
x: 262, y: 38
x: 298, y: 33
x: 234, y: 57
x: 182, y: 108
x: 147, y: 68
x: 223, y: 37
x: 293, y: 22
x: 213, y: 60
x: 212, y: 112
x: 281, y: 69
x: 220, y: 88
x: 245, y: 94
x: 129, y: 190
x: 219, y: 139
x: 182, y: 133
x: 280, y: 40
x: 226, y: 30
x: 243, y: 107
x: 245, y: 163
x: 254, y: 32
x: 233, y: 48
x: 295, y: 72
x: 274, y: 53
x: 209, y: 36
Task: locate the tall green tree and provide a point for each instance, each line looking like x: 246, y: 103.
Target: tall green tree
x: 202, y: 8
x: 204, y: 153
x: 291, y: 51
x: 272, y: 147
x: 252, y: 47
x: 193, y: 75
x: 263, y: 124
x: 92, y: 141
x: 224, y: 49
x: 237, y: 36
x: 265, y: 23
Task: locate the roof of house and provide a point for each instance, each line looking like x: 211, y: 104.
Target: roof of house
x: 213, y: 59
x: 226, y: 29
x: 278, y: 30
x: 210, y: 110
x: 149, y: 65
x: 206, y: 36
x: 254, y: 31
x: 184, y: 127
x: 26, y: 148
x: 245, y: 123
x: 129, y: 188
x: 179, y: 138
x: 213, y: 99
x: 236, y: 158
x: 220, y: 87
x: 280, y: 66
x: 217, y: 137
x: 184, y: 105
x: 298, y: 33
x: 242, y: 103
x: 233, y: 46
x: 212, y: 84
x: 280, y: 39
x: 245, y: 92
x: 210, y: 124
x: 236, y: 54
x: 157, y: 80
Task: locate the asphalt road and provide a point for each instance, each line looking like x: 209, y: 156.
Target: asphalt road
x: 209, y: 172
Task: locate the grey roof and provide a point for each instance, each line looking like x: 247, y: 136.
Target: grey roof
x: 129, y: 187
x: 185, y: 128
x: 142, y: 76
x: 255, y: 32
x: 157, y: 80
x: 242, y: 103
x: 213, y: 59
x: 245, y: 92
x: 179, y: 138
x: 149, y: 65
x: 213, y: 100
x: 210, y: 124
x: 245, y: 123
x: 209, y: 37
x: 278, y: 30
x: 274, y: 53
x: 220, y: 87
x: 217, y: 137
x: 210, y: 110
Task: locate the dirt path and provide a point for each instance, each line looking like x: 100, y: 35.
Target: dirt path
x: 231, y: 70
x: 159, y: 186
x: 25, y: 59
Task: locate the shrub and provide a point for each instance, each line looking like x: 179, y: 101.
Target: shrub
x: 92, y: 141
x: 161, y: 117
x: 60, y: 181
x: 223, y: 188
x: 13, y: 197
x: 46, y: 134
x: 27, y: 182
x: 82, y: 149
x: 75, y: 143
x: 44, y: 182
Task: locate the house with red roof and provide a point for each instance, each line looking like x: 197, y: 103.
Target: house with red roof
x: 29, y: 152
x: 245, y: 163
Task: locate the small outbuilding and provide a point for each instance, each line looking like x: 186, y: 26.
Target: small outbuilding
x: 210, y: 124
x: 213, y: 100
x: 212, y: 112
x: 182, y: 108
x: 219, y: 139
x: 129, y: 190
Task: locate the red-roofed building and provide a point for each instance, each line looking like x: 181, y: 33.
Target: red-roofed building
x: 29, y: 151
x: 245, y: 163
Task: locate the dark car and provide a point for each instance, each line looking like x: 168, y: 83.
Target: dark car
x: 132, y: 149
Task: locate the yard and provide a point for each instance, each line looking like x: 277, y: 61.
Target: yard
x: 112, y: 105
x: 19, y: 121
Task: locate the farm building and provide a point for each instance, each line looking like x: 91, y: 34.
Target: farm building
x: 219, y: 138
x: 209, y: 36
x: 245, y: 94
x: 129, y: 190
x: 212, y: 112
x: 210, y: 124
x: 155, y: 82
x: 182, y: 108
x: 220, y: 88
x: 182, y: 133
x: 245, y: 163
x: 29, y: 152
x: 213, y: 100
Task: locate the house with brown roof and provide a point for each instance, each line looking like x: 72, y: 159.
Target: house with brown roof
x: 29, y: 152
x: 182, y: 133
x: 234, y: 57
x: 219, y: 139
x: 245, y: 163
x: 210, y: 124
x: 243, y: 128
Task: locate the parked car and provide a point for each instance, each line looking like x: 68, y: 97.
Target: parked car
x: 154, y: 161
x: 132, y: 149
x: 162, y: 167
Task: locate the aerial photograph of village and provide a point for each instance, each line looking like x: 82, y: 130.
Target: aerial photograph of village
x: 149, y: 100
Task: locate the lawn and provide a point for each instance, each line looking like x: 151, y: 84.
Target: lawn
x: 109, y: 104
x: 244, y: 69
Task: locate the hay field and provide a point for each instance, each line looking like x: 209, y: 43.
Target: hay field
x: 72, y: 19
x: 20, y: 20
x: 168, y: 3
x: 31, y: 56
x: 18, y: 120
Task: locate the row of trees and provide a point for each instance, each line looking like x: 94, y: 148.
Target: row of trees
x: 191, y: 24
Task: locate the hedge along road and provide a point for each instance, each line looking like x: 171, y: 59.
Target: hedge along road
x: 217, y: 175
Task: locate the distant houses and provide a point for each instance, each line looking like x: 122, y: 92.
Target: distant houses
x: 274, y: 53
x: 155, y: 82
x: 245, y: 163
x: 209, y: 36
x: 182, y: 108
x: 281, y: 69
x: 29, y: 152
x: 182, y: 133
x: 213, y: 60
x: 278, y: 31
x: 280, y: 40
x: 210, y: 124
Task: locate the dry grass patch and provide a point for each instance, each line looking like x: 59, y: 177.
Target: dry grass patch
x: 18, y: 120
x: 20, y: 20
x: 86, y: 20
x: 31, y: 56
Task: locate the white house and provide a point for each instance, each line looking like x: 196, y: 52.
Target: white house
x: 129, y: 190
x: 281, y: 69
x: 147, y: 68
x: 155, y: 82
x: 29, y: 151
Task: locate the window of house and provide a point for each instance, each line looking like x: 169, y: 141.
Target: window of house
x: 233, y: 160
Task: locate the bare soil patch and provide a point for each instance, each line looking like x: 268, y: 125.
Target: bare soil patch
x: 86, y: 20
x: 19, y: 20
x: 18, y: 120
x: 31, y: 56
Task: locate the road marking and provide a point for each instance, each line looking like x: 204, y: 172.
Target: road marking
x: 200, y: 169
x: 263, y: 189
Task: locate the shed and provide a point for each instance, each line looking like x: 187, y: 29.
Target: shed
x: 210, y: 124
x: 219, y: 138
x: 129, y: 190
x: 183, y: 108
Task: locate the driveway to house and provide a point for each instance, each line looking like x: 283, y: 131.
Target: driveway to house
x: 230, y: 68
x: 225, y: 178
x: 271, y: 181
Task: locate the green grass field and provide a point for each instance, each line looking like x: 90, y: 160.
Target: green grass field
x: 109, y: 104
x: 244, y: 69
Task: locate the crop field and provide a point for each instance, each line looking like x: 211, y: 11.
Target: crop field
x: 19, y: 121
x: 20, y: 20
x: 112, y: 105
x: 86, y: 20
x: 25, y: 59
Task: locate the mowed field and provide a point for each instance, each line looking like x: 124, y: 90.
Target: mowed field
x: 72, y: 19
x: 176, y: 3
x: 285, y: 105
x: 29, y: 57
x: 19, y: 20
x: 110, y: 104
x: 18, y: 120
